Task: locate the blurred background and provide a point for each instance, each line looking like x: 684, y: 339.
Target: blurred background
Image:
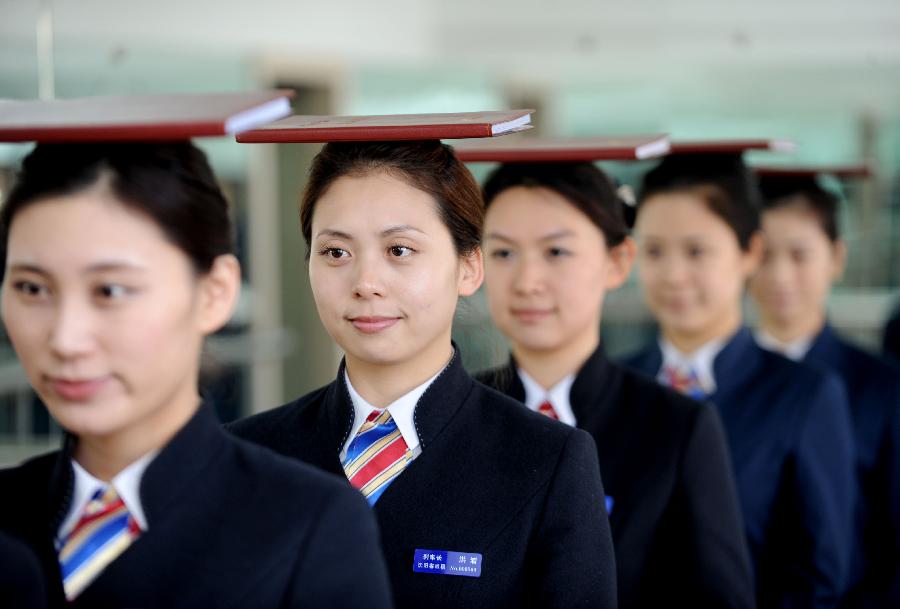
x: 824, y: 73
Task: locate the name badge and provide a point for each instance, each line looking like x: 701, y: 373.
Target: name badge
x: 444, y: 562
x: 610, y: 502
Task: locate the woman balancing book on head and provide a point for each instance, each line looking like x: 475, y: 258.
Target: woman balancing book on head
x: 804, y: 255
x: 481, y: 502
x: 555, y: 242
x: 787, y: 424
x: 117, y: 263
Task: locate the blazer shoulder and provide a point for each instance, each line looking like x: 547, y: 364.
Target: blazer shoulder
x: 679, y: 422
x: 812, y: 380
x: 36, y: 470
x: 503, y: 417
x: 775, y: 365
x: 644, y: 390
x: 282, y: 474
x: 273, y: 422
x: 641, y: 359
x: 871, y: 371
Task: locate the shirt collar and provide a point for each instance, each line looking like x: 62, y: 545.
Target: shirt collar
x: 402, y: 410
x: 794, y: 349
x: 701, y: 361
x: 558, y: 396
x: 127, y: 484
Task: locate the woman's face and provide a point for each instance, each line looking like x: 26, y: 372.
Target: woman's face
x: 547, y: 269
x: 384, y: 271
x: 691, y: 267
x: 799, y: 264
x: 105, y: 314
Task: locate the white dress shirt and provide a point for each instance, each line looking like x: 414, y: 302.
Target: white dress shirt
x: 701, y: 361
x: 127, y: 484
x: 558, y: 396
x: 401, y: 409
x: 795, y: 349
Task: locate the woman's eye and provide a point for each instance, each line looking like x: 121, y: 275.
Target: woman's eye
x: 335, y: 253
x: 696, y: 252
x: 501, y: 253
x: 400, y: 251
x: 652, y: 251
x: 556, y: 252
x: 112, y: 291
x: 30, y: 289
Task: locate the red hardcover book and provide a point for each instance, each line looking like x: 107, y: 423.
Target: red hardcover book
x: 796, y: 171
x: 318, y: 129
x: 518, y: 149
x: 730, y: 146
x: 139, y: 117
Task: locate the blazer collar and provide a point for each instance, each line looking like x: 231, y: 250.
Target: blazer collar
x: 590, y: 388
x: 825, y: 345
x: 736, y: 362
x: 433, y: 412
x: 173, y: 472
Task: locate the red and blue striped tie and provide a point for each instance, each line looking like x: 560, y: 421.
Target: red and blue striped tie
x: 376, y: 455
x: 684, y: 381
x: 105, y: 530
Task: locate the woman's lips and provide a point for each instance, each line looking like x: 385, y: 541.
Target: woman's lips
x: 677, y: 302
x: 530, y: 316
x: 77, y: 390
x: 374, y: 324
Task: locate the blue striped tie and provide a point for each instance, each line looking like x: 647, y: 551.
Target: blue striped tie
x: 685, y: 381
x: 105, y: 530
x: 376, y: 455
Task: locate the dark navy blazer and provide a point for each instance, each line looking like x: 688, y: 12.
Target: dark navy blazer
x: 791, y: 442
x: 890, y: 342
x: 21, y: 579
x: 675, y: 518
x: 493, y: 478
x: 873, y: 388
x: 230, y: 525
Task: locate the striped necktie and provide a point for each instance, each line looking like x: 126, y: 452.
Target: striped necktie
x: 105, y: 530
x: 376, y: 455
x: 548, y: 410
x: 684, y: 381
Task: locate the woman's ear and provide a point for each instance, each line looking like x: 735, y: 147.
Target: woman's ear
x: 218, y: 293
x: 471, y: 275
x: 621, y: 258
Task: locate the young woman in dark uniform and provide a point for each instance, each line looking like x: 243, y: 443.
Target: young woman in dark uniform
x: 481, y: 502
x: 804, y: 255
x: 118, y: 263
x: 787, y: 424
x: 555, y: 242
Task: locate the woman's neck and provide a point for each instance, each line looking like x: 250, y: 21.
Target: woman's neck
x: 549, y: 366
x: 383, y: 384
x: 688, y: 341
x: 104, y: 456
x: 789, y: 330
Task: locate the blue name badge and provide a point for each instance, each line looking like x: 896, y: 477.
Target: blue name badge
x: 443, y: 562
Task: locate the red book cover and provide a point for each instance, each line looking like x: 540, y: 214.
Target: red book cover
x: 794, y: 171
x: 524, y: 150
x: 730, y: 146
x: 318, y: 129
x: 139, y: 117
